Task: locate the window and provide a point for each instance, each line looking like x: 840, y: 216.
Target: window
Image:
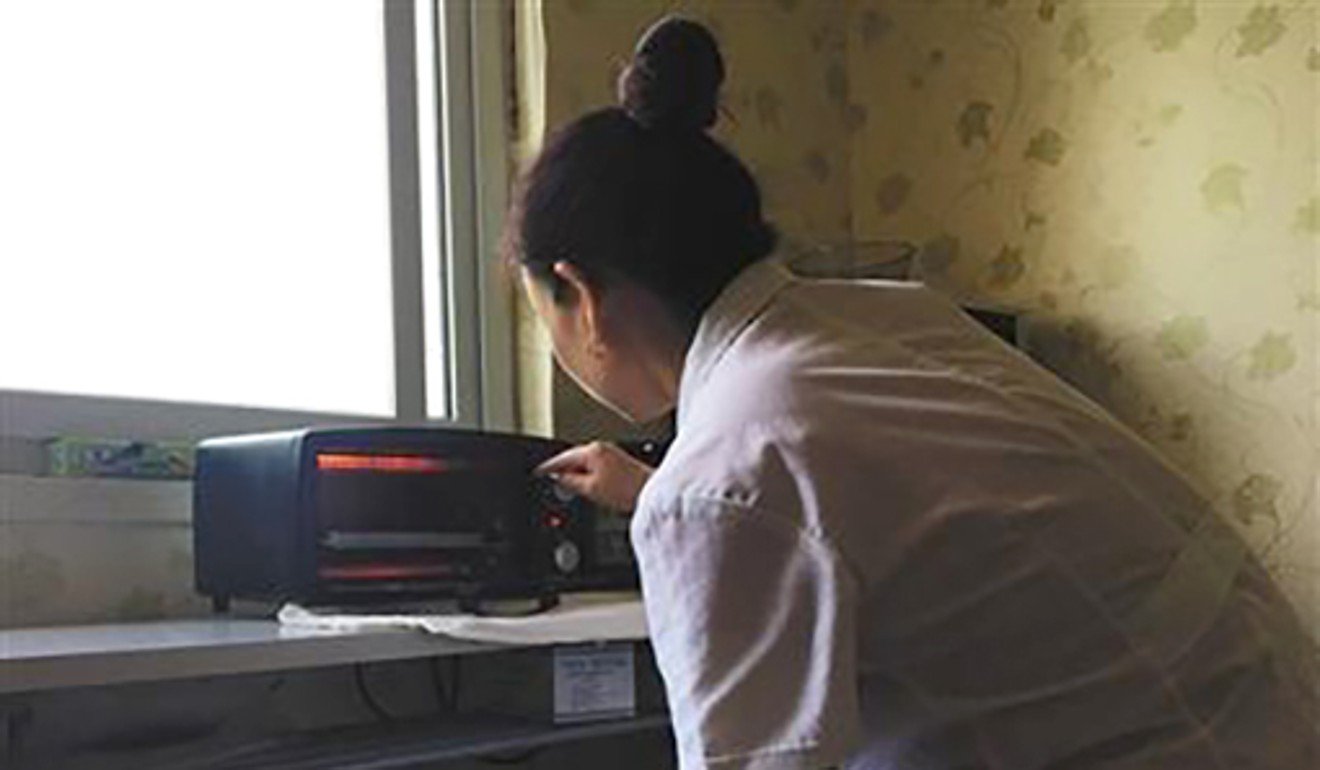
x: 227, y: 215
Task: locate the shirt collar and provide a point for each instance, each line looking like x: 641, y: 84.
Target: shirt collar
x: 732, y: 311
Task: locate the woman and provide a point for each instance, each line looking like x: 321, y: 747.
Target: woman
x: 881, y: 539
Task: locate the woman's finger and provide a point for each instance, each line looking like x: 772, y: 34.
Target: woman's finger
x: 580, y: 484
x: 600, y: 472
x: 575, y: 460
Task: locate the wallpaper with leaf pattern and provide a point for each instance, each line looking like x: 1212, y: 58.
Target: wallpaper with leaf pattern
x: 1139, y: 176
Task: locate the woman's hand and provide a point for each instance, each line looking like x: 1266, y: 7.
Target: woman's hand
x: 600, y: 472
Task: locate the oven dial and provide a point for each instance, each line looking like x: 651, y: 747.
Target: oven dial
x: 567, y: 557
x: 562, y: 494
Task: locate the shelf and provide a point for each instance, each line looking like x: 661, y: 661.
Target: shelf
x: 34, y: 659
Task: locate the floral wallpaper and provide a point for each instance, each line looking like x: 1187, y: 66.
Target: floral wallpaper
x: 1139, y: 177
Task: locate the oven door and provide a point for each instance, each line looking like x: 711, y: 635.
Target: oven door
x: 421, y: 524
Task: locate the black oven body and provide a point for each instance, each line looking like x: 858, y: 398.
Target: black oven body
x: 383, y: 515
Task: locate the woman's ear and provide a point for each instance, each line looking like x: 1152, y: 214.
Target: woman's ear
x: 585, y: 298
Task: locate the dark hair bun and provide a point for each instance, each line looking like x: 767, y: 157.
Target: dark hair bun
x: 673, y: 81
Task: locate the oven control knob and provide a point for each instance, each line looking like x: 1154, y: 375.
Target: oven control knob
x: 562, y: 494
x: 567, y: 557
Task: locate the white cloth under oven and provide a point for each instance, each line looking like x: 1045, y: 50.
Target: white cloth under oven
x: 579, y: 618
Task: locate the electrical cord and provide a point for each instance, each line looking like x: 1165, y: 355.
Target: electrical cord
x: 359, y: 677
x: 455, y: 671
x: 446, y: 695
x: 455, y: 679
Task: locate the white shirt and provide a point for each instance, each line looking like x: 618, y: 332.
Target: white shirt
x: 883, y: 539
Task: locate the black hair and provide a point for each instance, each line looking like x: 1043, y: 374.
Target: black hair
x: 640, y: 191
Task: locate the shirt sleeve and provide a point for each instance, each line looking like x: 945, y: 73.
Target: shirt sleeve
x: 752, y: 622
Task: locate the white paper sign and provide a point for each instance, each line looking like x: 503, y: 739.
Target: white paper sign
x: 594, y: 681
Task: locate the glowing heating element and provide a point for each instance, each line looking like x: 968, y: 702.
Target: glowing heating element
x: 381, y: 463
x: 385, y: 571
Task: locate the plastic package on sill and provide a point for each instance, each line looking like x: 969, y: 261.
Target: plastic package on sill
x: 111, y: 458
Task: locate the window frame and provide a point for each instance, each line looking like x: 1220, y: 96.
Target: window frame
x: 470, y: 71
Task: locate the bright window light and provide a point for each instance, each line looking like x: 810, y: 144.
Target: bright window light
x: 194, y: 202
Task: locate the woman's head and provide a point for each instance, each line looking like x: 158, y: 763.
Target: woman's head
x: 633, y: 218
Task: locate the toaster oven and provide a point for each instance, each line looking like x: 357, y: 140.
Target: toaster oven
x: 368, y: 515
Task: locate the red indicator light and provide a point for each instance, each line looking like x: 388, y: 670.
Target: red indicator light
x: 384, y: 571
x: 554, y: 521
x: 381, y: 463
